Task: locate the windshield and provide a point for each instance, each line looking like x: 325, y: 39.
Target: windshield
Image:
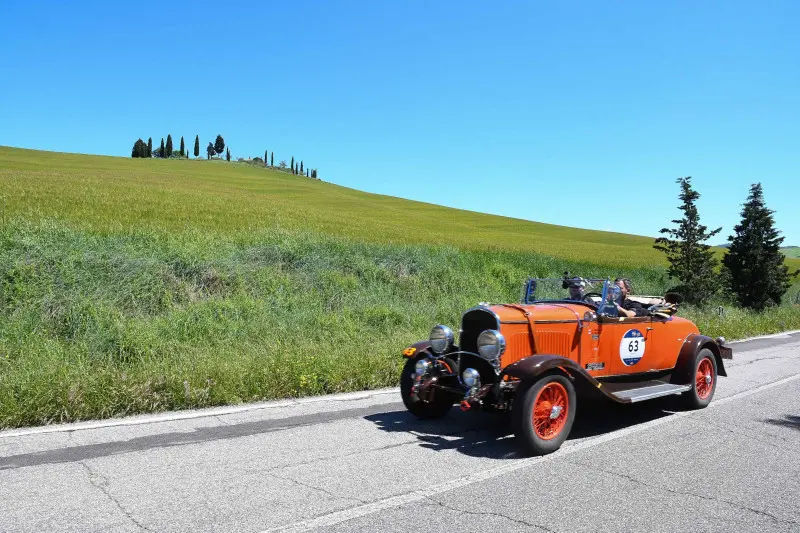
x: 575, y: 289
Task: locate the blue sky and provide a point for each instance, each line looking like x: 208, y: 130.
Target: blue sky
x: 559, y: 112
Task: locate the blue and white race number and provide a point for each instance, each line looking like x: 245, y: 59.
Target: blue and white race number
x: 631, y: 349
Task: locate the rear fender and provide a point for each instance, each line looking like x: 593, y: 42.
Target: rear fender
x: 692, y: 345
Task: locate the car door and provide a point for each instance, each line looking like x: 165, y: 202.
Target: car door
x: 629, y: 345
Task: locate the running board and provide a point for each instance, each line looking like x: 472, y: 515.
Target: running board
x: 650, y: 392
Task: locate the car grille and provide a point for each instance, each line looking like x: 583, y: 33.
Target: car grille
x: 473, y: 323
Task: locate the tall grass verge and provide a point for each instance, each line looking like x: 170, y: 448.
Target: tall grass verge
x: 95, y: 325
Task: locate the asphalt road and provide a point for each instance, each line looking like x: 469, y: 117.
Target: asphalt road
x: 359, y: 462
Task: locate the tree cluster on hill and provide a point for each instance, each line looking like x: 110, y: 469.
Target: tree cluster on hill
x: 753, y: 272
x: 295, y: 167
x: 165, y: 150
x: 215, y: 149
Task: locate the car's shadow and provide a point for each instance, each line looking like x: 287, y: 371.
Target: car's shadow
x: 490, y: 435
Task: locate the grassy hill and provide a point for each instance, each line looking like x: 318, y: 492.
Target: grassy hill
x: 129, y: 285
x: 112, y: 194
x: 791, y: 251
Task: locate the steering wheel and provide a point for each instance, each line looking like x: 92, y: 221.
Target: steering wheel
x: 587, y: 298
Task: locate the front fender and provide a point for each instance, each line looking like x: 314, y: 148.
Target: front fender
x: 535, y: 365
x: 417, y: 348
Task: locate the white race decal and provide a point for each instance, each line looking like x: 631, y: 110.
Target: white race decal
x: 631, y: 349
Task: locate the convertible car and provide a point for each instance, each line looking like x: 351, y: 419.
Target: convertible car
x: 564, y: 341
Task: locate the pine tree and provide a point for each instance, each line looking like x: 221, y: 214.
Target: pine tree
x: 690, y: 260
x: 754, y: 269
x: 197, y: 146
x: 150, y: 147
x: 219, y: 144
x: 161, y: 151
x: 228, y: 155
x: 183, y: 147
x: 210, y: 150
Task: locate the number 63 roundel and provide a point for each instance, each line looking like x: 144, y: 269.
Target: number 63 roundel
x: 631, y: 348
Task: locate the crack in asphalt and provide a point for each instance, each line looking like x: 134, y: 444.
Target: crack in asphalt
x: 318, y: 489
x: 489, y: 513
x: 684, y: 493
x: 746, y: 363
x: 100, y: 482
x: 759, y: 436
x: 417, y: 438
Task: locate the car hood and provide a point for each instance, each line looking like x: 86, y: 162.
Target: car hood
x: 560, y: 312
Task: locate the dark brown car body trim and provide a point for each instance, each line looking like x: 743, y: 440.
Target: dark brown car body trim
x: 532, y: 366
x: 693, y: 344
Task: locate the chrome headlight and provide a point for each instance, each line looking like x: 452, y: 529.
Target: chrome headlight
x: 421, y: 367
x: 441, y: 339
x: 491, y: 344
x: 470, y: 377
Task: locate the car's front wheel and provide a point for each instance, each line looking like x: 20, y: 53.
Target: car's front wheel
x: 434, y: 403
x: 543, y: 414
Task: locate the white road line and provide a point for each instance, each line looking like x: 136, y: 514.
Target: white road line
x: 201, y: 413
x: 781, y: 335
x: 337, y: 517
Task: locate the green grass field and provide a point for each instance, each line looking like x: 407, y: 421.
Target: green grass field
x: 130, y: 286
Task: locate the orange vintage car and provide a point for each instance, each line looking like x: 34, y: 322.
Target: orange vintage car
x: 566, y: 340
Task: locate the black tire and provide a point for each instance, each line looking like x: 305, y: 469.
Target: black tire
x: 528, y: 437
x: 436, y: 408
x: 698, y: 399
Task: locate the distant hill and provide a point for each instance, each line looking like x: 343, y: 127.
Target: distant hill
x: 791, y: 251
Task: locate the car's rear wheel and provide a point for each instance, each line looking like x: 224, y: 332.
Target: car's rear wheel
x: 436, y: 402
x: 703, y: 380
x: 543, y: 414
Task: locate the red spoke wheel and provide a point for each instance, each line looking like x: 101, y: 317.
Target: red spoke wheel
x: 550, y: 410
x: 703, y: 380
x: 543, y: 413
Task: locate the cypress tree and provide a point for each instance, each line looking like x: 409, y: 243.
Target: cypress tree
x: 754, y: 269
x: 292, y: 164
x: 690, y: 260
x: 183, y: 147
x: 197, y: 146
x: 306, y: 172
x: 210, y: 150
x: 228, y: 154
x: 169, y: 145
x: 272, y: 159
x: 301, y: 167
x: 149, y: 147
x: 161, y: 151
